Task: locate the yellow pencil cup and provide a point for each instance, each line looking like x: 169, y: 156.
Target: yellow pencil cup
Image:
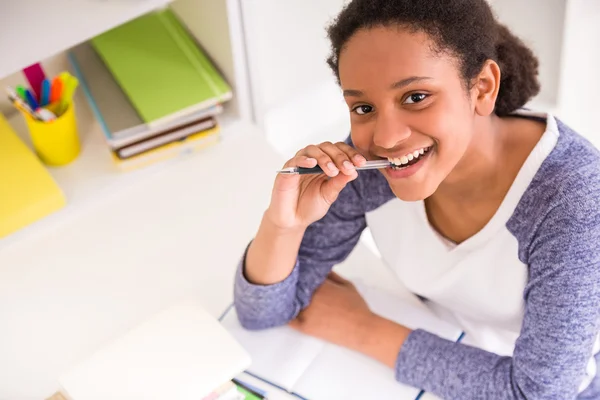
x: 55, y: 142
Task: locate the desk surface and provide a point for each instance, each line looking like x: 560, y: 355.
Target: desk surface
x: 68, y: 290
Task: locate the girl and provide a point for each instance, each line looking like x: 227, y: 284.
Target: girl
x: 491, y: 212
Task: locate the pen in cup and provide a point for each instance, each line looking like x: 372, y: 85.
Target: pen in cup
x: 377, y: 164
x: 39, y: 114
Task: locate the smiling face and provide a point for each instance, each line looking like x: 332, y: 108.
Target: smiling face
x: 406, y: 100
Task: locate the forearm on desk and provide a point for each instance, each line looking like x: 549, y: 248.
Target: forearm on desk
x: 272, y: 254
x: 381, y: 339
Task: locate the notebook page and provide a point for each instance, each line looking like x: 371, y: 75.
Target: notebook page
x: 338, y: 373
x: 318, y: 370
x: 280, y: 355
x: 181, y: 353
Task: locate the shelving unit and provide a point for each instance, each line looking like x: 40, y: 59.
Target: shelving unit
x: 127, y: 244
x: 216, y: 24
x: 32, y: 30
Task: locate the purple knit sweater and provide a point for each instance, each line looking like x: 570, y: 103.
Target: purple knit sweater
x: 557, y: 226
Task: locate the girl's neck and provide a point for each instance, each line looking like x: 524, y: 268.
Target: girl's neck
x: 472, y: 194
x: 478, y: 175
x: 490, y: 165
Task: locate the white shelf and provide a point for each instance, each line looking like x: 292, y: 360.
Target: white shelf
x: 93, y: 177
x: 32, y: 30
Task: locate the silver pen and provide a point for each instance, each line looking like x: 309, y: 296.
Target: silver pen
x: 317, y: 170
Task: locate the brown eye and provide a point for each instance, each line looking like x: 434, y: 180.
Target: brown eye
x: 415, y: 98
x: 362, y: 110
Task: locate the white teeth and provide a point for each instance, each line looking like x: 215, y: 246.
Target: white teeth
x: 405, y: 159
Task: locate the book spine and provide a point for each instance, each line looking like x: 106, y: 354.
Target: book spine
x: 88, y: 95
x: 161, y: 140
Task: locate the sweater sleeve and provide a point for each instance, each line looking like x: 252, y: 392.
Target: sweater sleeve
x: 326, y: 243
x: 561, y: 322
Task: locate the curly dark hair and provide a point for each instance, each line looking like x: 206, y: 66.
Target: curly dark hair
x: 467, y: 29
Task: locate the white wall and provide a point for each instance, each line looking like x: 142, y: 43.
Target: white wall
x: 579, y: 89
x: 294, y: 92
x: 540, y: 24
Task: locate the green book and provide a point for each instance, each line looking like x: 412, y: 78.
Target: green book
x: 160, y: 67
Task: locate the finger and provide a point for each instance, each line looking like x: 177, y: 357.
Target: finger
x: 301, y: 161
x: 297, y: 161
x: 341, y: 159
x: 323, y: 160
x: 357, y: 158
x: 289, y: 182
x: 331, y: 189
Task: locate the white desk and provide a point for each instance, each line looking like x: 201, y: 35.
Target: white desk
x: 72, y: 285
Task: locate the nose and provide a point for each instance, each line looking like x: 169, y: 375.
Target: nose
x: 390, y: 129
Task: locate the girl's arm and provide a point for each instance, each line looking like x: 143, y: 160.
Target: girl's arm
x: 324, y: 244
x: 561, y: 322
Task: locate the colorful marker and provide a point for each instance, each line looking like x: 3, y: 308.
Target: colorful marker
x: 56, y: 91
x: 35, y: 76
x: 20, y: 104
x: 41, y: 114
x: 69, y: 85
x: 31, y: 100
x: 21, y: 92
x: 45, y: 97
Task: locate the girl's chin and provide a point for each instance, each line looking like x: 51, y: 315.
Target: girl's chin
x: 406, y: 193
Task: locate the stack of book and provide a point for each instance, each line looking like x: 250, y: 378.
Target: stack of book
x: 152, y: 88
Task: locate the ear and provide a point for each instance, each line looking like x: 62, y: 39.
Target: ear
x: 486, y: 87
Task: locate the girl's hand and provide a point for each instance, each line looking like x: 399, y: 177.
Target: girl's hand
x: 338, y: 314
x: 299, y: 200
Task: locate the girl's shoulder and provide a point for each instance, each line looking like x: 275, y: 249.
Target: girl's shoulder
x: 571, y: 171
x: 564, y: 195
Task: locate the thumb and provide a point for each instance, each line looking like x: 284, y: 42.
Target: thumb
x: 331, y: 188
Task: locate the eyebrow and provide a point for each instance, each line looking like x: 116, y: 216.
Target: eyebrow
x: 396, y: 85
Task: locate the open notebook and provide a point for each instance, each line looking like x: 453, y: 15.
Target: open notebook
x: 315, y: 370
